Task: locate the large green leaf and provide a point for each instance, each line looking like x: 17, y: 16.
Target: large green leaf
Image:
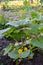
x: 19, y: 35
x: 7, y: 32
x: 34, y: 27
x: 25, y: 54
x: 8, y: 49
x: 17, y: 23
x: 38, y: 42
x: 4, y: 30
x: 14, y: 54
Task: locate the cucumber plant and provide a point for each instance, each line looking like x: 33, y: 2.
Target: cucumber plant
x: 31, y: 29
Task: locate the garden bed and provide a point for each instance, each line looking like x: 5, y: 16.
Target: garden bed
x: 21, y: 35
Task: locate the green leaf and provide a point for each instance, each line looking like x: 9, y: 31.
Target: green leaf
x: 14, y: 54
x: 10, y: 30
x: 17, y: 23
x: 8, y: 49
x: 41, y: 1
x: 25, y: 54
x: 3, y: 31
x: 19, y: 35
x: 37, y: 42
x: 34, y: 28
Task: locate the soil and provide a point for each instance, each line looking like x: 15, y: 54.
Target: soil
x: 37, y: 60
x: 10, y: 14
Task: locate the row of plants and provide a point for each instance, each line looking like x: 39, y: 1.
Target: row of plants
x: 28, y: 36
x: 26, y: 3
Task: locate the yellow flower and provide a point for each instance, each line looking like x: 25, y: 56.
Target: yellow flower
x: 25, y: 48
x: 22, y: 11
x: 28, y: 38
x: 19, y: 51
